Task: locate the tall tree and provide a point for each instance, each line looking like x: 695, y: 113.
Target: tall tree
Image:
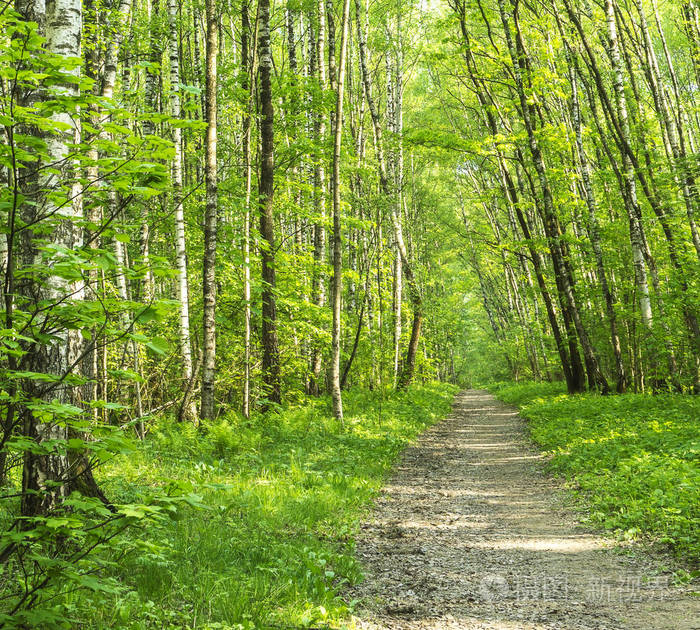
x: 271, y: 358
x: 318, y: 289
x: 247, y: 65
x: 183, y: 295
x: 337, y: 240
x: 211, y: 213
x: 55, y: 208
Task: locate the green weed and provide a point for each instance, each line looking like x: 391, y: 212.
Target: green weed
x: 283, y: 495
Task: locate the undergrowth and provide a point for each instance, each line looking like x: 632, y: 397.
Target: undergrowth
x: 283, y: 496
x: 633, y: 457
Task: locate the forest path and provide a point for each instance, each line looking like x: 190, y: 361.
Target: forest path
x: 470, y: 533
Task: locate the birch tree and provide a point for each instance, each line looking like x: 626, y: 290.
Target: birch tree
x: 211, y: 214
x: 337, y: 240
x: 56, y: 202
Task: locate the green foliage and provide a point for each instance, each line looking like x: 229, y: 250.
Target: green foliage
x: 58, y: 534
x: 634, y: 458
x: 520, y: 394
x: 283, y: 495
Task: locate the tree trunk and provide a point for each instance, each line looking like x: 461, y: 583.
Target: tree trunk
x: 208, y: 404
x: 630, y: 197
x: 337, y: 241
x: 151, y: 83
x: 189, y: 411
x: 271, y: 359
x: 318, y: 288
x: 247, y: 66
x: 46, y: 476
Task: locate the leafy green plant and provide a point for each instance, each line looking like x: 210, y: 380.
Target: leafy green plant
x: 284, y: 495
x: 59, y: 534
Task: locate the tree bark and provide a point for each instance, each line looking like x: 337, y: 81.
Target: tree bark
x: 208, y: 403
x: 337, y: 240
x: 271, y: 359
x: 318, y: 288
x: 151, y: 83
x: 189, y: 411
x: 46, y: 477
x: 247, y: 66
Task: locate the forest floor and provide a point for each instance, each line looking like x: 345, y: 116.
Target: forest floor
x: 471, y: 533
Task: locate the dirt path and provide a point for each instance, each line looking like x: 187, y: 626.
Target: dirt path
x: 469, y: 533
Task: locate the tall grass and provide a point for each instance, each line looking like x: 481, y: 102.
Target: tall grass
x: 283, y: 496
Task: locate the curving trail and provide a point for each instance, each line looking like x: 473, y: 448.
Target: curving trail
x: 469, y: 533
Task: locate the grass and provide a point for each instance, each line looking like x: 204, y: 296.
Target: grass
x: 283, y: 496
x: 634, y: 458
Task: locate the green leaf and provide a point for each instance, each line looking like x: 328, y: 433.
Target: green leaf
x: 158, y: 345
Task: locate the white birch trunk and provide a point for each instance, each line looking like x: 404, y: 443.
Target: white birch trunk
x: 337, y: 242
x: 631, y: 201
x: 45, y: 477
x: 189, y: 410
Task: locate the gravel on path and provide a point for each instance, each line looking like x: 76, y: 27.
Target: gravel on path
x: 471, y: 534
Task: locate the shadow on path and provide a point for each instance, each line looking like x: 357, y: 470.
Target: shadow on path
x: 469, y: 533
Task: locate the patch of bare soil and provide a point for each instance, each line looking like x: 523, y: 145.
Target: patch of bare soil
x: 471, y: 534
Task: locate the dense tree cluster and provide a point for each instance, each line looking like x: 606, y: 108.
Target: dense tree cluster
x: 206, y: 210
x: 578, y: 125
